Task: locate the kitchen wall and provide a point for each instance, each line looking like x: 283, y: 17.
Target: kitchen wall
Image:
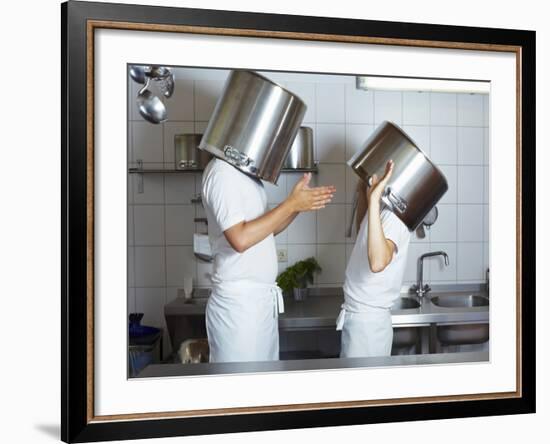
x: 451, y: 128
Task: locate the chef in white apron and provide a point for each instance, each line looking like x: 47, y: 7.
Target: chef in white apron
x: 374, y: 275
x: 242, y: 311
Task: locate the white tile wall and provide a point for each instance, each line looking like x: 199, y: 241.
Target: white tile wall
x: 147, y: 142
x: 330, y: 103
x: 470, y: 223
x: 470, y: 261
x: 470, y: 146
x: 388, y: 106
x: 442, y: 109
x: 180, y: 224
x: 359, y: 105
x: 470, y: 110
x: 451, y: 128
x: 416, y: 108
x: 303, y: 229
x: 470, y: 184
x: 443, y: 145
x: 331, y: 225
x: 149, y: 225
x: 330, y: 142
x: 333, y: 175
x: 150, y: 266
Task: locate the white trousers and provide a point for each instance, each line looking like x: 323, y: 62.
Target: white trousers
x: 242, y: 323
x: 365, y: 333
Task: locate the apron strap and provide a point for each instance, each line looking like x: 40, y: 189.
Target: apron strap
x: 340, y: 319
x: 279, y: 305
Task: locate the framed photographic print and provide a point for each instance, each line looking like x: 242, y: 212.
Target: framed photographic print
x: 282, y: 113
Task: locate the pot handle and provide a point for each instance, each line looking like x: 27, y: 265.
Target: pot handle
x: 397, y: 202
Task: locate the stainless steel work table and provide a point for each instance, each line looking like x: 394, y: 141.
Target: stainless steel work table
x: 174, y: 370
x: 322, y: 307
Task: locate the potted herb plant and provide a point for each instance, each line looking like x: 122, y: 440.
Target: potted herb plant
x: 296, y: 277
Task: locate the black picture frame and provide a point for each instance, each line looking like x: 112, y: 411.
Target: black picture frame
x: 77, y: 425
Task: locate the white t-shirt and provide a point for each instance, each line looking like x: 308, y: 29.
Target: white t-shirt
x: 362, y: 287
x: 229, y: 197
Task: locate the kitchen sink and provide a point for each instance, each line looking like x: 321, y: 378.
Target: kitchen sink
x: 405, y: 337
x: 462, y: 334
x: 405, y: 303
x: 460, y: 301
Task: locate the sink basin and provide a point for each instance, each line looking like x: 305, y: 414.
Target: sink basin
x: 405, y: 303
x: 404, y: 337
x: 463, y: 334
x: 460, y: 301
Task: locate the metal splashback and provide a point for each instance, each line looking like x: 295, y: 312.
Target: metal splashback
x: 416, y: 184
x: 254, y: 124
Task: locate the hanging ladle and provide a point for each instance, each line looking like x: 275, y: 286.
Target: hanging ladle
x: 428, y: 221
x: 150, y: 106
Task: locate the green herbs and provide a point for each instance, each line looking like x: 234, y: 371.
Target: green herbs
x: 298, y: 275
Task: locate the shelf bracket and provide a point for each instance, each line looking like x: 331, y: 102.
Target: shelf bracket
x: 140, y: 186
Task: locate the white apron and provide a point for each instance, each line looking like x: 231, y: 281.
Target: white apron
x: 368, y: 332
x: 242, y: 322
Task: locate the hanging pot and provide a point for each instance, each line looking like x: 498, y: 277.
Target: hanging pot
x: 300, y: 155
x: 188, y: 156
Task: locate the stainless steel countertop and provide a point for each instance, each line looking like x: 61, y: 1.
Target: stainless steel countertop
x: 176, y: 370
x: 322, y: 307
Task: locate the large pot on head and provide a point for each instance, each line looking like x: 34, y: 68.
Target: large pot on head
x: 416, y: 184
x: 254, y: 124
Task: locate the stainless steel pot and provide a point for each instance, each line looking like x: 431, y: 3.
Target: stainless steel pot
x: 416, y: 184
x: 254, y: 124
x: 301, y: 151
x: 187, y: 153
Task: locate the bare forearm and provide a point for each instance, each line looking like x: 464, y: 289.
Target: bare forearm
x: 247, y: 234
x: 286, y: 223
x: 379, y: 248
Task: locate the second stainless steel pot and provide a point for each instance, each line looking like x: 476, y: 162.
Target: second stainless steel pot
x: 188, y: 156
x: 416, y: 184
x: 300, y: 155
x: 254, y: 124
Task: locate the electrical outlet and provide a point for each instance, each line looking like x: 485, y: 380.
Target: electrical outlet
x: 282, y: 255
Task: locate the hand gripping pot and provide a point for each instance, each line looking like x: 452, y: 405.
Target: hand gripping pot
x: 416, y: 184
x: 254, y: 124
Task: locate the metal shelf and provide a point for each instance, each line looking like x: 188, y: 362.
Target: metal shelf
x: 157, y: 171
x: 199, y: 170
x: 140, y: 170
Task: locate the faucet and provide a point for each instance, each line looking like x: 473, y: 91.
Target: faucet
x: 420, y: 288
